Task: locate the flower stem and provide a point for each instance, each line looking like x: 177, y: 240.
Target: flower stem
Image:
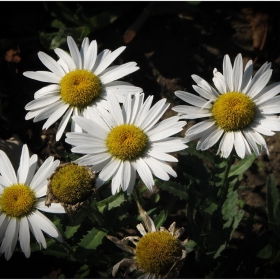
x: 224, y: 184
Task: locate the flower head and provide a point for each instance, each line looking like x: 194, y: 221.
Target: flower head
x: 71, y: 185
x: 21, y: 196
x: 239, y: 110
x: 128, y: 139
x: 157, y: 254
x: 78, y: 81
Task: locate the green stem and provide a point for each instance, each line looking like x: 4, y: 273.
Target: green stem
x: 224, y: 184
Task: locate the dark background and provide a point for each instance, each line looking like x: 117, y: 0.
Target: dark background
x: 174, y: 41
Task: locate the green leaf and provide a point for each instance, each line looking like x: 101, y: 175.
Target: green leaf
x: 93, y: 239
x: 242, y: 166
x: 229, y: 209
x: 82, y: 272
x: 161, y: 218
x: 272, y: 201
x: 76, y: 223
x: 174, y: 188
x: 265, y: 253
x: 110, y: 202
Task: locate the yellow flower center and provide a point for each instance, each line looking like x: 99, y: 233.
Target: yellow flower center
x: 71, y: 183
x: 156, y: 252
x: 233, y: 111
x: 79, y: 88
x: 126, y: 142
x: 17, y: 201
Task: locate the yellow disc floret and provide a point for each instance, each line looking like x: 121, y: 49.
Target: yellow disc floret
x: 79, y: 88
x: 17, y: 201
x: 126, y: 142
x: 71, y: 183
x: 156, y: 252
x: 234, y: 111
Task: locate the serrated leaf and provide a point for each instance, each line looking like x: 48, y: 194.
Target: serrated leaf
x: 229, y: 208
x: 93, y: 239
x: 110, y: 202
x: 211, y: 208
x: 242, y: 166
x: 74, y: 225
x: 174, y: 188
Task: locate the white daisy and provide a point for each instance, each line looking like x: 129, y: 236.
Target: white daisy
x: 239, y: 110
x: 78, y: 82
x: 128, y: 139
x: 21, y: 196
x: 158, y: 254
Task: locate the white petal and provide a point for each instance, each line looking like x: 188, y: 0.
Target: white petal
x: 45, y: 224
x: 144, y: 173
x: 43, y: 173
x: 248, y: 135
x: 63, y: 123
x: 83, y: 51
x: 42, y: 102
x: 95, y: 160
x: 202, y: 92
x: 4, y: 220
x: 74, y: 52
x: 257, y: 85
x: 91, y: 127
x: 90, y: 56
x: 23, y: 165
x: 126, y: 175
x: 205, y: 85
x: 156, y: 169
x: 192, y: 99
x: 227, y: 72
x: 36, y: 231
x: 43, y: 76
x: 161, y: 156
x: 51, y: 64
x: 6, y: 169
x: 67, y: 59
x: 108, y: 60
x: 247, y: 75
x: 154, y: 114
x: 226, y: 144
x: 53, y: 208
x: 239, y: 144
x: 210, y: 138
x: 268, y: 93
x: 55, y: 116
x: 219, y: 82
x: 9, y: 242
x: 24, y: 237
x: 237, y: 73
x: 118, y: 73
x: 191, y: 112
x: 115, y: 109
x: 50, y: 89
x: 197, y: 130
x: 108, y: 171
x: 49, y: 110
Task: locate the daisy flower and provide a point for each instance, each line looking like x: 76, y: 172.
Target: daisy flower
x: 78, y: 81
x: 238, y: 111
x: 157, y: 254
x: 124, y: 140
x: 21, y: 196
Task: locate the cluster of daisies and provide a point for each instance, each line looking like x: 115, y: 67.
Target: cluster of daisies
x: 120, y: 133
